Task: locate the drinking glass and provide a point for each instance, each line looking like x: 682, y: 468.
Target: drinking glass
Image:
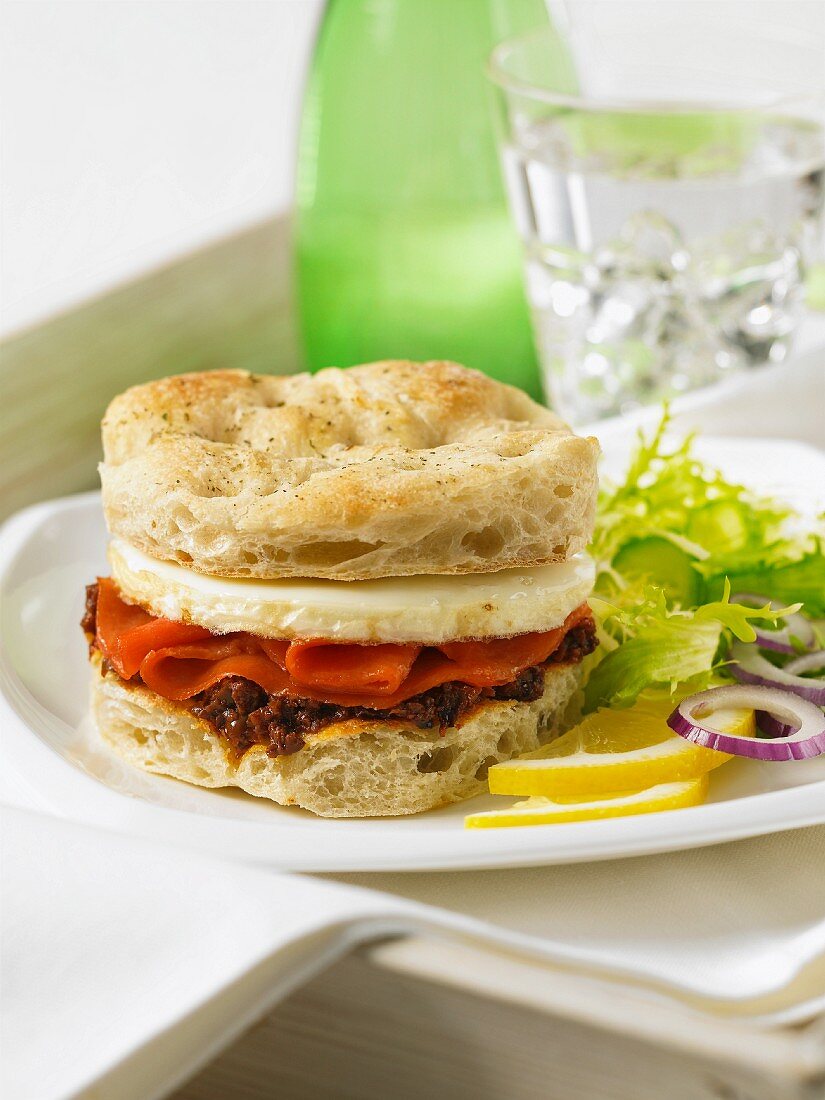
x: 668, y: 211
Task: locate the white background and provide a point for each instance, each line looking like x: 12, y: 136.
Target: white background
x: 134, y: 130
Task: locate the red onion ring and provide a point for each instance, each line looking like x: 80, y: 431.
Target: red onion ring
x: 808, y: 662
x: 750, y: 667
x: 779, y: 640
x: 769, y: 727
x: 807, y: 739
x: 796, y: 626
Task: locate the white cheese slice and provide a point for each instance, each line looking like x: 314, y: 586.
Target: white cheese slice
x: 427, y: 609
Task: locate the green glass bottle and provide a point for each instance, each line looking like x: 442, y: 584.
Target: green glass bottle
x: 404, y: 244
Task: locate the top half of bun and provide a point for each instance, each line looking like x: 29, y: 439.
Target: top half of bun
x: 388, y: 469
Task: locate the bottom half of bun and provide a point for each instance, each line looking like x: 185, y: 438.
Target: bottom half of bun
x: 359, y: 768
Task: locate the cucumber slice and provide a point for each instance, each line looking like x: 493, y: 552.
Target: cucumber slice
x: 721, y: 527
x: 657, y: 560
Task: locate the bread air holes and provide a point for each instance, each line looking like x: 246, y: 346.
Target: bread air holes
x: 265, y: 554
x: 333, y: 553
x: 485, y: 543
x: 333, y: 781
x: 484, y: 767
x: 440, y: 760
x: 183, y: 519
x: 506, y: 745
x: 256, y: 761
x: 270, y: 553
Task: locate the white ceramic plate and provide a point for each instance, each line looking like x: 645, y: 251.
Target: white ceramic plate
x: 54, y: 761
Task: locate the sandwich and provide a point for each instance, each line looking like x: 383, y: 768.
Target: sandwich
x: 351, y: 592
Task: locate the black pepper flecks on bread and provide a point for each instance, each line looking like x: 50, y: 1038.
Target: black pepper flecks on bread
x: 388, y: 469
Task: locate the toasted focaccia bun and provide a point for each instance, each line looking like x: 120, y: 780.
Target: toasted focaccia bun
x: 355, y: 768
x: 385, y: 470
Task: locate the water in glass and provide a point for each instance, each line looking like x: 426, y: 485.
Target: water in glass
x: 658, y: 260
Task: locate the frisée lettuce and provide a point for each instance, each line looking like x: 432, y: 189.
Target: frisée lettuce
x: 674, y: 544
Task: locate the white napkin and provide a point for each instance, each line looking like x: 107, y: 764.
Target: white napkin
x: 115, y: 952
x: 736, y: 929
x: 126, y: 963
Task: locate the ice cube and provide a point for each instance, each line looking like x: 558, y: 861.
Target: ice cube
x: 649, y: 242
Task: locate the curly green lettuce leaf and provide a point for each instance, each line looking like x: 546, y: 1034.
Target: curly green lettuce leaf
x: 719, y: 525
x: 736, y: 617
x: 801, y: 580
x: 666, y: 618
x: 648, y: 645
x: 663, y: 653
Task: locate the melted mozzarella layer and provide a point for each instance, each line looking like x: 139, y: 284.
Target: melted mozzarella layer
x: 426, y: 609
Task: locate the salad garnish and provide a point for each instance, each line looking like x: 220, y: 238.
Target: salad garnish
x: 672, y: 542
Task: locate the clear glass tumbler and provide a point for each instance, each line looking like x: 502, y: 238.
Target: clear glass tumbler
x: 667, y: 228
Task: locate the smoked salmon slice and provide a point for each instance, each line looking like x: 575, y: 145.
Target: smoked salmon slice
x: 126, y: 633
x: 355, y: 669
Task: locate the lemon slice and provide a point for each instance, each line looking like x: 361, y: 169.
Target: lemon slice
x: 616, y: 750
x: 544, y: 811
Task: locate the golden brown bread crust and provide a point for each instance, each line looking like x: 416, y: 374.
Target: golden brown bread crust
x: 388, y: 469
